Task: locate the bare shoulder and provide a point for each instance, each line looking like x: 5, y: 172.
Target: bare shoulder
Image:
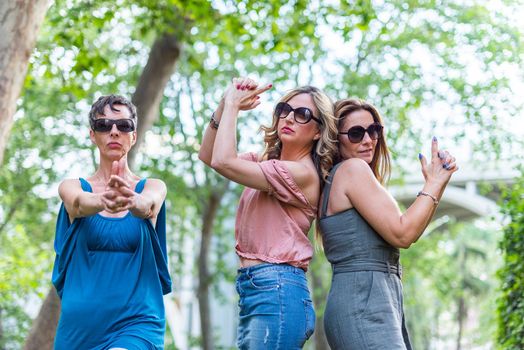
x: 156, y: 185
x: 68, y: 188
x: 68, y: 185
x: 355, y: 167
x: 303, y: 172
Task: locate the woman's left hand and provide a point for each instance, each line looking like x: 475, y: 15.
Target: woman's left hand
x: 441, y: 166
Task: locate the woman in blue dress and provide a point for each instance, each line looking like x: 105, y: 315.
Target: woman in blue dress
x: 110, y: 269
x: 363, y: 229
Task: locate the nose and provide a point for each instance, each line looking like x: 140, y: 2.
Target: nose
x: 290, y: 117
x: 114, y: 130
x: 366, y: 138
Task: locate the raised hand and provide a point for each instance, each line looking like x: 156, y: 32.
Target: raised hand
x: 243, y: 93
x: 441, y: 167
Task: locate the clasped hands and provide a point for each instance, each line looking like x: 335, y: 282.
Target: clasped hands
x: 118, y: 195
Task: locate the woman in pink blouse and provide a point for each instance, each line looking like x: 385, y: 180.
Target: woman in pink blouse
x: 276, y: 209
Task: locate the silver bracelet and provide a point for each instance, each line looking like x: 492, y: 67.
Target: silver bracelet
x: 213, y: 122
x: 422, y: 193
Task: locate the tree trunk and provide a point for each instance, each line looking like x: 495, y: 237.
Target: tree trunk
x: 319, y: 268
x: 150, y: 89
x: 319, y: 300
x: 461, y: 317
x: 19, y: 24
x: 42, y: 334
x: 461, y: 302
x: 208, y: 218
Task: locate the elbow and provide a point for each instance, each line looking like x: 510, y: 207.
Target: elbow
x: 204, y: 158
x: 403, y: 243
x: 403, y: 234
x: 219, y: 164
x: 76, y: 209
x: 401, y: 240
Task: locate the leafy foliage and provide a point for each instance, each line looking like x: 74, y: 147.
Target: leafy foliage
x: 452, y: 264
x: 88, y: 48
x: 511, y: 302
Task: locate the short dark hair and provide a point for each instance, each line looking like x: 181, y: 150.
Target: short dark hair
x: 111, y: 100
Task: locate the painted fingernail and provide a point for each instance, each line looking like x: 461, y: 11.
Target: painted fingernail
x: 258, y: 97
x: 238, y: 86
x: 420, y: 156
x: 270, y: 85
x: 445, y: 165
x: 434, y: 139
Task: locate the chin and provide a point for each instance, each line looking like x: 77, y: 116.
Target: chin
x: 115, y: 155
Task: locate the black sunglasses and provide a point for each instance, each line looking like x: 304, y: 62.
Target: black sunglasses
x: 356, y: 133
x: 302, y: 115
x: 105, y: 125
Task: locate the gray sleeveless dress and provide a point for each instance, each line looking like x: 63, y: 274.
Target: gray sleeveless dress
x: 364, y: 305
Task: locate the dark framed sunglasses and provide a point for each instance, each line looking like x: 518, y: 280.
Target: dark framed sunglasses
x: 356, y: 133
x: 105, y: 125
x: 302, y: 115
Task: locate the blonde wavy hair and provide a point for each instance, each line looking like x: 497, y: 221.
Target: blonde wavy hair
x: 381, y: 162
x: 324, y: 149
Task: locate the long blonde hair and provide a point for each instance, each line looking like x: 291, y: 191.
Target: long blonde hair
x: 381, y: 162
x: 324, y: 149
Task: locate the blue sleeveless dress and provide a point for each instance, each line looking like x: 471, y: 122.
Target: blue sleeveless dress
x: 110, y: 274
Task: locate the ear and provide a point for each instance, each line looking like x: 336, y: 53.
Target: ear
x: 134, y: 138
x: 92, y: 136
x: 317, y: 135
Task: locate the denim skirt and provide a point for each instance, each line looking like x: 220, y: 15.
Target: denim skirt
x: 276, y: 311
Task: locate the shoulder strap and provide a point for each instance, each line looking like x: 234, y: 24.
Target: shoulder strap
x: 140, y: 185
x: 160, y: 229
x: 327, y: 190
x: 86, y: 186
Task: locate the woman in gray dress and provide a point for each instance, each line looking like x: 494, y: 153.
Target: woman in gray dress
x: 363, y: 229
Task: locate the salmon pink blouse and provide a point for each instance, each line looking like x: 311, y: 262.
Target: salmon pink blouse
x: 273, y: 226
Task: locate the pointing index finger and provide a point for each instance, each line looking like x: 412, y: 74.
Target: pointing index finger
x: 122, y: 167
x: 434, y: 148
x: 262, y: 89
x: 114, y: 168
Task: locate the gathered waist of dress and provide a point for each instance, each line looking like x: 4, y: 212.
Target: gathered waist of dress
x: 358, y: 265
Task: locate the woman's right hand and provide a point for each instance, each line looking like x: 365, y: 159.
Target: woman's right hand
x: 441, y: 166
x: 243, y: 93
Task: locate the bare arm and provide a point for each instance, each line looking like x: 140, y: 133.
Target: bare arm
x: 206, y: 148
x: 77, y: 202
x: 381, y: 211
x: 147, y: 204
x: 205, y: 153
x: 225, y: 159
x: 445, y: 160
